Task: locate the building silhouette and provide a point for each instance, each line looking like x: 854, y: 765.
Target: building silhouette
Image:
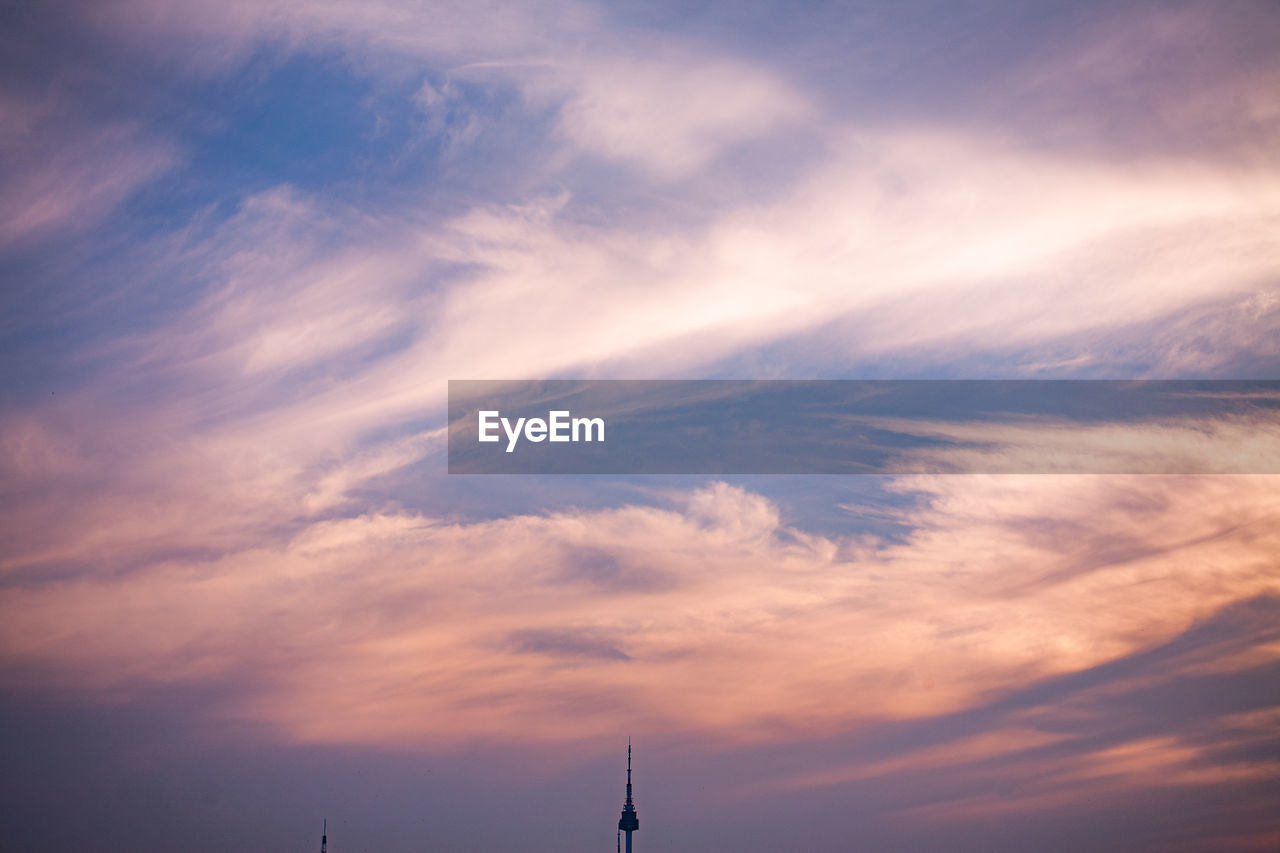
x: 629, y: 822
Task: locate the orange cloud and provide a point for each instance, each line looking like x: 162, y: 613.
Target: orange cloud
x: 710, y: 616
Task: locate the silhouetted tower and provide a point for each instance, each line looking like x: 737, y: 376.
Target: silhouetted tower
x: 324, y: 837
x: 629, y: 822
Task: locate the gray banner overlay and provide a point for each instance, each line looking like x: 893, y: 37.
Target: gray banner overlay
x: 864, y: 427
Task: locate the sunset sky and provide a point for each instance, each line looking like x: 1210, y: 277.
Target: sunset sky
x: 244, y: 245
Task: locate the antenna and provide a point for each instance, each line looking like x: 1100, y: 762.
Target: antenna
x: 629, y: 822
x: 324, y: 836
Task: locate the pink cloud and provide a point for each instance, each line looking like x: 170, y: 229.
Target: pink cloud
x: 744, y: 629
x: 63, y: 173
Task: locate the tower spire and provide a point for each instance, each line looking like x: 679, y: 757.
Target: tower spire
x: 324, y: 837
x: 629, y: 822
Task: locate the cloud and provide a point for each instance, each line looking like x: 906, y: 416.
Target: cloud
x: 904, y: 237
x: 639, y: 97
x: 672, y: 114
x: 314, y: 361
x: 763, y: 633
x: 567, y: 643
x: 1156, y: 77
x: 239, y: 497
x: 65, y: 173
x: 324, y: 333
x: 1234, y: 444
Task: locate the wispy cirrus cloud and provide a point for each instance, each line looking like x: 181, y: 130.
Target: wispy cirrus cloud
x: 325, y: 331
x: 63, y: 173
x: 1157, y: 78
x: 628, y: 94
x: 236, y: 491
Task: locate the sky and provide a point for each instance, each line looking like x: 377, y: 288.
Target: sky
x: 245, y: 244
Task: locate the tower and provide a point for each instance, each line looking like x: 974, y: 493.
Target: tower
x: 324, y: 837
x: 629, y: 822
